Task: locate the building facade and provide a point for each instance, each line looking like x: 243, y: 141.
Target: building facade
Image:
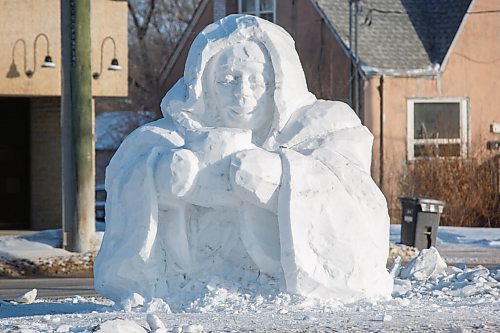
x: 30, y: 101
x: 425, y: 75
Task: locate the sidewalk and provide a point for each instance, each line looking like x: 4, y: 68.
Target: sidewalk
x: 470, y: 256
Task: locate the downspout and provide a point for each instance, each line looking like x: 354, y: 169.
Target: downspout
x: 353, y: 56
x: 356, y: 59
x: 380, y: 89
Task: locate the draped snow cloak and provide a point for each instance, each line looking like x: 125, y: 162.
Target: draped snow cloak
x: 329, y: 235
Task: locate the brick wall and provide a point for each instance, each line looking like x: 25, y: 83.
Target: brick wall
x: 46, y: 196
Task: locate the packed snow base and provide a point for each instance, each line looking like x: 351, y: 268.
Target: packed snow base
x: 247, y: 181
x: 428, y: 296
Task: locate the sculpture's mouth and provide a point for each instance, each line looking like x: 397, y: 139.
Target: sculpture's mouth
x: 240, y: 111
x: 242, y: 105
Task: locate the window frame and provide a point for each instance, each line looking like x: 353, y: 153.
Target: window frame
x: 464, y: 121
x: 257, y: 9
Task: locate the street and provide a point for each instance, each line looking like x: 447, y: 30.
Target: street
x: 10, y: 289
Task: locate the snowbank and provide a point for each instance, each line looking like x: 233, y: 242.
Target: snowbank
x: 40, y: 254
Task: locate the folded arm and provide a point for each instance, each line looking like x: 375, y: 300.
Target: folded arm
x: 255, y: 177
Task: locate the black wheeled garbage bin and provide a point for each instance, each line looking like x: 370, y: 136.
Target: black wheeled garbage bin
x: 420, y: 221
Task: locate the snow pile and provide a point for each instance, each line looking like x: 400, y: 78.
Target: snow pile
x: 428, y: 264
x: 428, y: 275
x: 119, y: 325
x: 248, y: 181
x: 28, y: 297
x: 32, y: 247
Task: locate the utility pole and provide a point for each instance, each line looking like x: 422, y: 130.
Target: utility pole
x: 77, y: 126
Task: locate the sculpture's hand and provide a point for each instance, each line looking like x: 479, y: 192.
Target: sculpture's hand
x: 175, y: 173
x: 255, y: 176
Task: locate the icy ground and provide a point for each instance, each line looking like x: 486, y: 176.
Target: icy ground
x: 457, y: 301
x: 428, y: 297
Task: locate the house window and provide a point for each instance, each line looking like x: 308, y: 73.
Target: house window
x: 437, y: 128
x: 261, y: 8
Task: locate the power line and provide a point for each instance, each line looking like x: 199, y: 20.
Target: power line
x: 369, y: 15
x: 477, y: 61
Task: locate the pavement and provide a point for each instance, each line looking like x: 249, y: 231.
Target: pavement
x: 489, y: 257
x: 10, y: 289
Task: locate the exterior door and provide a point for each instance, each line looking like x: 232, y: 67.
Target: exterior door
x: 14, y: 163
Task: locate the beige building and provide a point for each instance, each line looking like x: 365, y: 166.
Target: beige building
x: 30, y: 101
x: 429, y: 71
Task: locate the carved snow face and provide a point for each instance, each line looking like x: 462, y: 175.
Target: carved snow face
x: 242, y: 87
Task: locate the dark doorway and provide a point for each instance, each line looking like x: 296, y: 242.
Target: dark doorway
x: 14, y: 163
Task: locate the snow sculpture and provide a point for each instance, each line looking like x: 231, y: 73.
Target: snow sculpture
x: 248, y: 180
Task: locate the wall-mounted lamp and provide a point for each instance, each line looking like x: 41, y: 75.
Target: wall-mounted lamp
x: 13, y: 72
x: 47, y: 62
x: 114, y: 66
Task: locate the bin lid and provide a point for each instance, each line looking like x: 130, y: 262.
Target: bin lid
x: 426, y: 204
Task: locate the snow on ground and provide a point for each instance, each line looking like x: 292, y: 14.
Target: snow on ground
x: 427, y: 297
x: 41, y: 244
x: 33, y: 246
x: 456, y: 301
x: 452, y: 237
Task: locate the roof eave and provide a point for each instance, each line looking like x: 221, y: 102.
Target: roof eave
x: 428, y: 71
x: 332, y: 29
x: 458, y: 33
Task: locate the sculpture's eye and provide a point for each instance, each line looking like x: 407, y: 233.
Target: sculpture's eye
x: 257, y: 81
x: 227, y: 79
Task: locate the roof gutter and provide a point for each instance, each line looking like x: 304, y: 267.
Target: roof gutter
x: 375, y: 72
x: 380, y: 89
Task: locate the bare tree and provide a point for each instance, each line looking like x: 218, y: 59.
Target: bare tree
x: 155, y: 27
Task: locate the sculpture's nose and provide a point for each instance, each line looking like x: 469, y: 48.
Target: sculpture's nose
x: 243, y: 88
